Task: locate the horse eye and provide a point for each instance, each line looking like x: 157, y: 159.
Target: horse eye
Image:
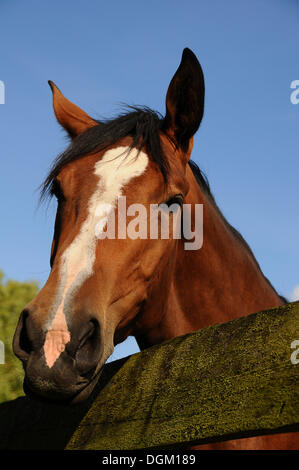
x: 177, y: 199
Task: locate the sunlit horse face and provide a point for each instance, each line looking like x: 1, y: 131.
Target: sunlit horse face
x: 98, y: 289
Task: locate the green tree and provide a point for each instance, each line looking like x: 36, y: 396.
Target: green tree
x: 14, y: 296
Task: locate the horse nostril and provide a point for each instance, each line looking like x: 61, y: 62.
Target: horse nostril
x: 88, y: 352
x: 22, y: 345
x: 89, y: 331
x: 25, y: 342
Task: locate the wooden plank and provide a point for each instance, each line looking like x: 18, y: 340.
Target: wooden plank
x: 229, y: 380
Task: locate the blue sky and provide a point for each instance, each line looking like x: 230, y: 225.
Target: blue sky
x: 102, y: 54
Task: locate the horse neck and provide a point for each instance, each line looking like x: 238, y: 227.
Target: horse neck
x: 217, y: 283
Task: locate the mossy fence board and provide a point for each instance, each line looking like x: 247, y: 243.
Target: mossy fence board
x: 225, y: 381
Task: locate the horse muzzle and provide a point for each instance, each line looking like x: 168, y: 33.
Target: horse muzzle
x: 59, y: 367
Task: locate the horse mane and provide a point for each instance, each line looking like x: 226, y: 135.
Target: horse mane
x: 141, y: 123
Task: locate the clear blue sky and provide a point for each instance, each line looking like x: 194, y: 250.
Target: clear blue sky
x: 102, y: 54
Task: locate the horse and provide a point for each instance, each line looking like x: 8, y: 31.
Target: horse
x: 103, y: 289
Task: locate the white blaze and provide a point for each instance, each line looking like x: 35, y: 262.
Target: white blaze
x: 116, y: 168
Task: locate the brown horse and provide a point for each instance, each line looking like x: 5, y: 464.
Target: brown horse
x: 102, y: 289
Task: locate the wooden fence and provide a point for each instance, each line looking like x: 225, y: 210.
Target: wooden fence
x: 226, y: 381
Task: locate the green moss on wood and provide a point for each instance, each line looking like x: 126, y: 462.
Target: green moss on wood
x: 230, y: 379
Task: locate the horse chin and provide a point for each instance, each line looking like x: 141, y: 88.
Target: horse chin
x: 56, y: 398
x: 86, y: 392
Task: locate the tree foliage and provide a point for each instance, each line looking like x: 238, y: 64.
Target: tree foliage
x: 14, y: 295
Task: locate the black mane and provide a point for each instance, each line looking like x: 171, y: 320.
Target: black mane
x: 140, y: 123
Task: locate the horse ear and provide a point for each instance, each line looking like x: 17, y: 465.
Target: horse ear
x: 185, y: 101
x: 73, y: 119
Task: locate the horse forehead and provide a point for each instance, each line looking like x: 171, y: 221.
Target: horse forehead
x: 118, y: 166
x: 90, y: 177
